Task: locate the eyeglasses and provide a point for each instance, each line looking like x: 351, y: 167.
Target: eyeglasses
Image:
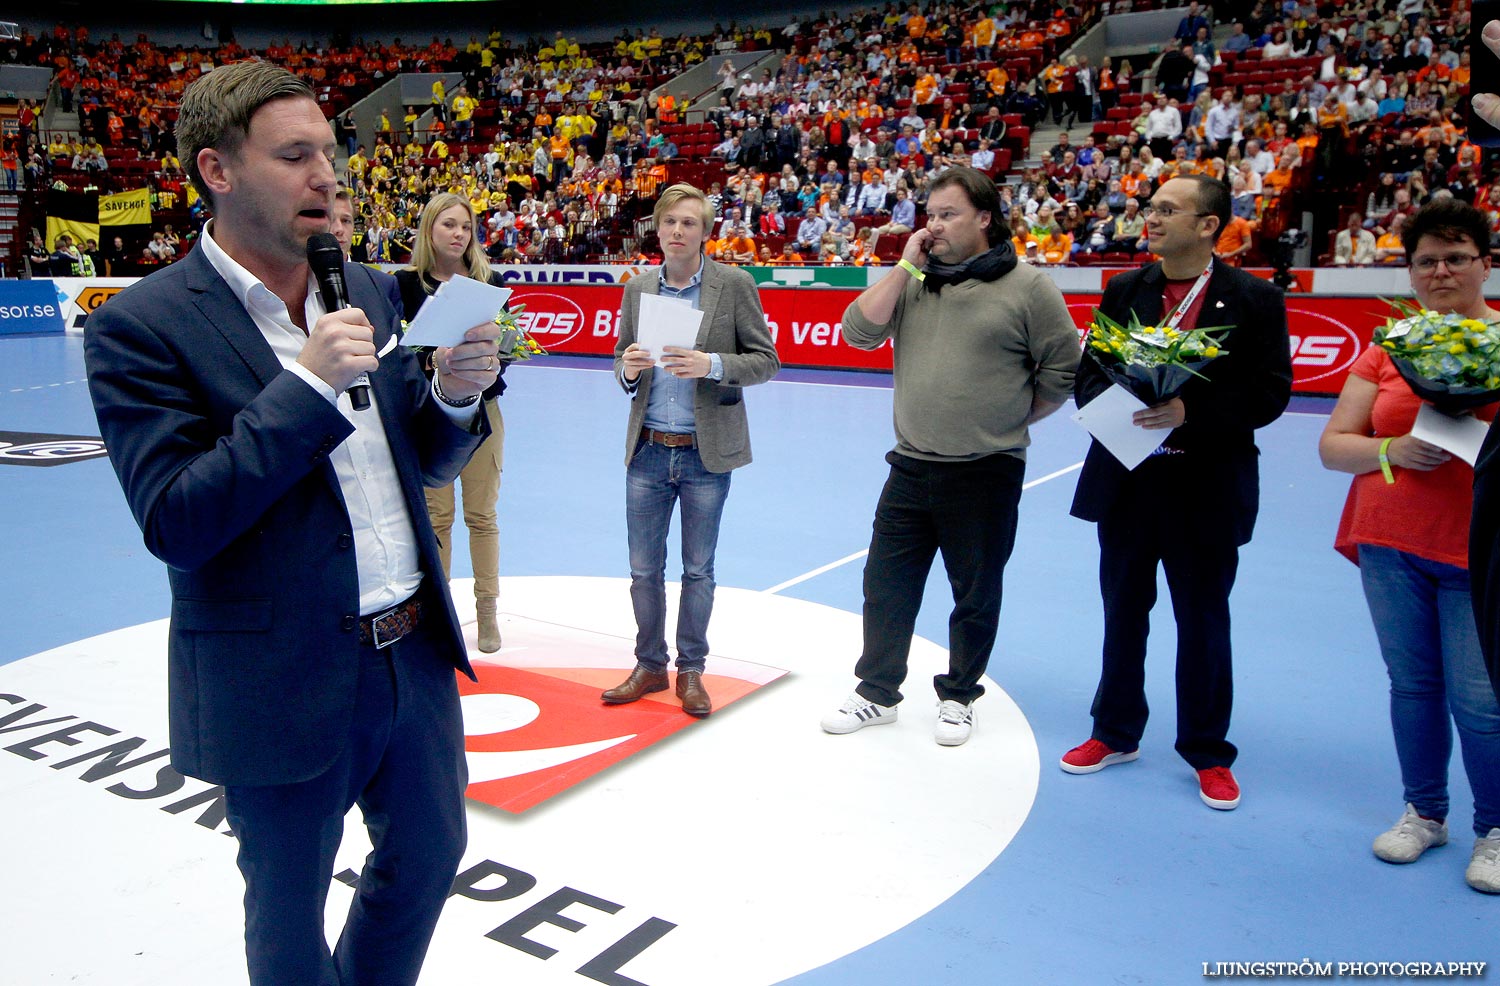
x: 1167, y: 212
x: 1456, y: 263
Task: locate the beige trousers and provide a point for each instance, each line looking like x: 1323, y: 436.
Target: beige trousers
x: 480, y: 480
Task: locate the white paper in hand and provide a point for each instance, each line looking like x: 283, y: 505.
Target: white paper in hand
x: 666, y: 322
x: 1462, y: 435
x: 459, y: 304
x: 1107, y: 418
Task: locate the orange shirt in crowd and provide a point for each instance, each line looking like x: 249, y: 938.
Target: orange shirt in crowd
x: 1390, y: 241
x: 1236, y: 235
x: 1275, y: 181
x: 1055, y: 247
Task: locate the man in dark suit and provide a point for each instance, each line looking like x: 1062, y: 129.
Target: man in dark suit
x: 313, y: 642
x: 1191, y: 506
x: 686, y: 434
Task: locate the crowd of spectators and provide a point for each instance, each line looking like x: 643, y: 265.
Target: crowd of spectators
x: 1351, y: 111
x: 855, y: 119
x: 558, y: 145
x: 825, y: 153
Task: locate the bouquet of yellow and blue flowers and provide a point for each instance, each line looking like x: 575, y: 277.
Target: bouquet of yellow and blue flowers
x: 1153, y: 362
x: 1448, y: 360
x: 515, y: 342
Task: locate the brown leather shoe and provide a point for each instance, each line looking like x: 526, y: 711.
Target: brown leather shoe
x: 694, y: 696
x: 642, y: 682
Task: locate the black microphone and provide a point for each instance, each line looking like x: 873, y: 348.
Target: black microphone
x: 326, y: 258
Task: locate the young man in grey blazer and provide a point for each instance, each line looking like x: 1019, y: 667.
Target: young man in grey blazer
x: 687, y: 432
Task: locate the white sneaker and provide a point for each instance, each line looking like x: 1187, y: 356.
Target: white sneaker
x: 1413, y: 835
x: 955, y: 722
x: 1483, y: 873
x: 856, y: 713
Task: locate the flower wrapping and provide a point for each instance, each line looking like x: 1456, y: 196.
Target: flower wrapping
x: 1153, y: 362
x: 1450, y: 361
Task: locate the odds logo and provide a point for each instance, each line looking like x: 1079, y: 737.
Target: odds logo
x: 551, y: 318
x: 1322, y: 346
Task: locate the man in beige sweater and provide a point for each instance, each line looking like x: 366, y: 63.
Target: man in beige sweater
x: 983, y: 347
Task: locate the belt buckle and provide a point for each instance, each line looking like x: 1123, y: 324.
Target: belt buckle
x: 377, y: 625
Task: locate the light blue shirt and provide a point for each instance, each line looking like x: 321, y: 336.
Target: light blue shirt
x: 669, y: 406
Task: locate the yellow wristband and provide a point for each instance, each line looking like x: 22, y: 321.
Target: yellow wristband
x: 911, y: 269
x: 1385, y: 460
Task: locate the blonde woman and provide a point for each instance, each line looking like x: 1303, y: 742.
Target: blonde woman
x: 447, y: 247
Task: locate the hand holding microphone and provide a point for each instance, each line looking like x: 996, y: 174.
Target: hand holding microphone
x: 345, y: 346
x: 341, y: 346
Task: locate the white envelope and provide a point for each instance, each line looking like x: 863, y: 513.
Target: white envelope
x: 1107, y: 418
x: 666, y: 322
x: 459, y: 304
x: 1462, y: 436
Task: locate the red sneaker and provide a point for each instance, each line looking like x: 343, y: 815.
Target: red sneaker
x: 1093, y: 756
x: 1218, y: 788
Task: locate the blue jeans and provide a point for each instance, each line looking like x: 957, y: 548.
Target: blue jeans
x: 656, y: 478
x: 1425, y: 624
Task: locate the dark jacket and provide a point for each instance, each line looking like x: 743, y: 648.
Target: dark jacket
x: 1247, y: 388
x: 224, y: 459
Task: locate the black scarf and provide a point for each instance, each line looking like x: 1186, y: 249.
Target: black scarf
x: 991, y: 265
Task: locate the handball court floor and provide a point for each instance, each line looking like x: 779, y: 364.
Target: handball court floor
x: 1119, y: 877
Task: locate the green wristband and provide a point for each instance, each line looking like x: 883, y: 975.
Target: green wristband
x: 1385, y: 460
x: 911, y: 269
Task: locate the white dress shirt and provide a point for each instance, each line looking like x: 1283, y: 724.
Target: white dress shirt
x: 385, y: 543
x: 1164, y: 122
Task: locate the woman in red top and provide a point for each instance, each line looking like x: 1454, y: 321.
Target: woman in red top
x: 1406, y: 524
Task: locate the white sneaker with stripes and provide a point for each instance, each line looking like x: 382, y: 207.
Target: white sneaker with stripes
x: 856, y: 713
x: 954, y: 723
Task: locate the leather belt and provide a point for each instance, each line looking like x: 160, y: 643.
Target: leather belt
x: 669, y: 439
x: 384, y: 629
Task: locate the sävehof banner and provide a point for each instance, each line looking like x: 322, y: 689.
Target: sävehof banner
x: 126, y: 208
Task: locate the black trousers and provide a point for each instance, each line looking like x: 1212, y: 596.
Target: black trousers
x: 966, y: 510
x: 1200, y: 570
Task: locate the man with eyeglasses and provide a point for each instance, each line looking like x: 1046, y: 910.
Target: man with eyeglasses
x: 1205, y: 468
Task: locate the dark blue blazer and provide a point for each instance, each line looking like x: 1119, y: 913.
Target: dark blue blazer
x: 1247, y: 388
x: 223, y: 456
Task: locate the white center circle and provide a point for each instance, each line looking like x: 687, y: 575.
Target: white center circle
x: 742, y: 850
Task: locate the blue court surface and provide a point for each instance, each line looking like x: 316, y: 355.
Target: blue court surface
x: 1122, y: 877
